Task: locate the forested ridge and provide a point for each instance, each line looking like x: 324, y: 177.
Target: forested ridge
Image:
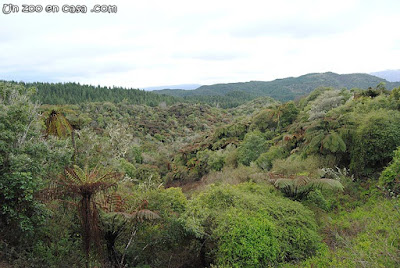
x: 285, y: 89
x: 112, y: 177
x: 219, y: 95
x: 75, y: 93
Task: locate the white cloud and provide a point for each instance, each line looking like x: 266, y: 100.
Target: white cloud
x: 150, y: 43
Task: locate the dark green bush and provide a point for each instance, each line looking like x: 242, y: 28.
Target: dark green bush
x: 374, y: 142
x: 265, y: 160
x: 252, y: 146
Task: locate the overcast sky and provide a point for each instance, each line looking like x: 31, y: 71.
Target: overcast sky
x: 152, y: 43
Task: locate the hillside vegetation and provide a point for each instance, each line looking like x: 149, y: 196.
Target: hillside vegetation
x: 283, y: 89
x: 157, y: 182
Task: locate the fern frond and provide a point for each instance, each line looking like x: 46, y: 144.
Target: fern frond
x: 326, y: 184
x: 145, y: 214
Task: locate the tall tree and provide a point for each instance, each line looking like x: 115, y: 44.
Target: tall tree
x: 22, y: 160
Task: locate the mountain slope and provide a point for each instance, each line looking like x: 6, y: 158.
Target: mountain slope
x: 181, y: 86
x: 284, y: 89
x: 389, y: 75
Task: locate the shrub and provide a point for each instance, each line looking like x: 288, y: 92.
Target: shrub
x: 368, y: 236
x: 317, y: 198
x: 390, y: 177
x: 265, y: 160
x: 22, y: 162
x: 374, y: 142
x: 289, y: 228
x: 216, y: 160
x: 252, y: 146
x: 246, y: 240
x: 161, y: 243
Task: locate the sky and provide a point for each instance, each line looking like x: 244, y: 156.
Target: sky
x: 154, y: 43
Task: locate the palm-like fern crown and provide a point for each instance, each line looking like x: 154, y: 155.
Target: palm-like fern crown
x: 299, y: 186
x: 82, y: 181
x: 114, y: 205
x: 57, y: 124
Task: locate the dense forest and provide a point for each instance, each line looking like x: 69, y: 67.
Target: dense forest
x: 112, y: 177
x: 75, y: 93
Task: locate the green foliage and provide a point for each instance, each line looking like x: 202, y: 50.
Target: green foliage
x: 233, y: 224
x: 264, y: 121
x: 164, y: 242
x: 280, y: 89
x: 210, y: 213
x: 135, y: 154
x: 74, y: 93
x: 325, y: 102
x: 374, y: 142
x: 246, y: 240
x: 365, y: 237
x: 295, y: 164
x: 128, y: 168
x: 234, y: 176
x: 390, y: 177
x: 275, y: 118
x: 333, y: 143
x: 265, y: 160
x: 22, y: 162
x: 147, y: 175
x: 252, y: 146
x: 216, y: 160
x: 316, y: 198
x: 234, y: 130
x: 289, y: 114
x: 299, y: 187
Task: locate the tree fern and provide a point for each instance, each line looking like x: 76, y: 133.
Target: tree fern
x: 298, y: 187
x: 85, y: 184
x: 57, y: 124
x: 117, y: 219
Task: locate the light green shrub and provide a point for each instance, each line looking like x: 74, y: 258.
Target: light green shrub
x: 210, y: 213
x: 246, y: 240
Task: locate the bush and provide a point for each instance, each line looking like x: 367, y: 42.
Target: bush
x: 252, y: 146
x: 368, y: 236
x: 164, y: 242
x: 216, y: 160
x: 265, y: 160
x: 22, y: 163
x: 390, y: 177
x: 374, y: 142
x: 246, y: 240
x: 316, y: 198
x: 288, y: 227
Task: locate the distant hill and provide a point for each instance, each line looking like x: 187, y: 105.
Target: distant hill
x: 182, y: 86
x: 283, y: 89
x: 389, y: 75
